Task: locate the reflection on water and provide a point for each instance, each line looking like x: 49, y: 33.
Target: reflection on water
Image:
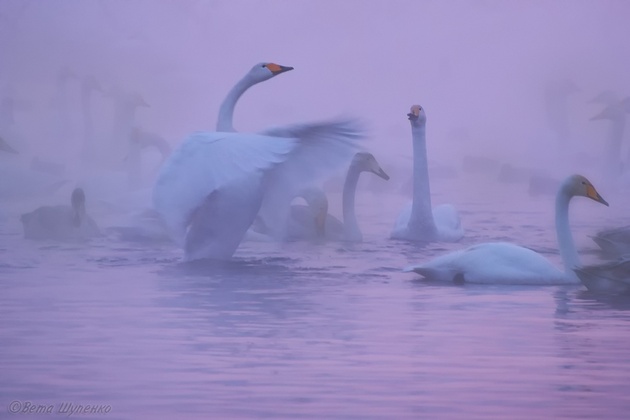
x: 305, y: 331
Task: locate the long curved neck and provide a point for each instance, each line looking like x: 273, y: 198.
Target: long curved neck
x: 86, y: 110
x: 568, y: 251
x: 350, y: 224
x: 226, y: 112
x: 421, y: 210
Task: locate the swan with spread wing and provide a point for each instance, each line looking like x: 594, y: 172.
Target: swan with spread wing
x: 213, y: 185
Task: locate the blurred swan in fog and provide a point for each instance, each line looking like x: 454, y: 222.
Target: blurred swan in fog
x: 146, y: 140
x: 259, y: 73
x: 506, y: 263
x: 609, y: 278
x: 125, y: 106
x: 89, y: 85
x: 616, y: 113
x: 614, y: 243
x: 63, y: 131
x: 60, y: 222
x: 211, y: 188
x: 313, y: 221
x: 5, y: 147
x: 418, y: 221
x: 556, y: 102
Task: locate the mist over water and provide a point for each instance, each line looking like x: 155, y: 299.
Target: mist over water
x: 308, y: 329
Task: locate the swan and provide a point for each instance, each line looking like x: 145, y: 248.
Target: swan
x: 259, y: 73
x: 608, y: 278
x: 211, y: 188
x: 417, y: 221
x: 506, y: 263
x: 60, y: 222
x: 313, y: 221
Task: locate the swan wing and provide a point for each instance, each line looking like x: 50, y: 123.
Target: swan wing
x: 323, y: 147
x: 206, y: 163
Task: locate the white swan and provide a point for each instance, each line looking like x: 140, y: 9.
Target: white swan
x: 313, y: 221
x: 506, y: 263
x: 418, y: 221
x: 211, y: 188
x: 259, y: 73
x: 60, y: 222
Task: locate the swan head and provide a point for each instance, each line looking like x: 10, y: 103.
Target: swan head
x: 578, y: 185
x: 137, y: 100
x: 264, y: 71
x: 417, y: 115
x: 367, y: 162
x: 90, y: 83
x: 4, y: 146
x: 607, y: 97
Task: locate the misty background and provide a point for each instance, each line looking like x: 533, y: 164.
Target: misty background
x: 479, y: 68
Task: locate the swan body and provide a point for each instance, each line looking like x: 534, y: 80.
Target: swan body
x: 505, y: 263
x: 211, y: 188
x: 418, y: 221
x: 608, y: 278
x: 259, y: 73
x: 60, y: 222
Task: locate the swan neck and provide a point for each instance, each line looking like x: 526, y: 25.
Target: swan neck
x: 421, y: 209
x: 350, y: 224
x: 566, y: 245
x: 226, y: 111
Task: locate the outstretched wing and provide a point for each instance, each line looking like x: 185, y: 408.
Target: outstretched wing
x: 207, y: 162
x: 322, y: 148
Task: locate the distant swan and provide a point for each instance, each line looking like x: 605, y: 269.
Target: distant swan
x: 418, y: 221
x: 313, y: 221
x: 60, y: 222
x: 506, y: 263
x: 4, y: 146
x: 259, y: 73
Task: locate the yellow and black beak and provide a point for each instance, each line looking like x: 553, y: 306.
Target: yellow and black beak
x: 592, y: 193
x: 414, y: 113
x: 277, y: 68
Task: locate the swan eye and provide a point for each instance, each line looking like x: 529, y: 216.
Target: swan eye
x: 263, y: 66
x: 583, y: 182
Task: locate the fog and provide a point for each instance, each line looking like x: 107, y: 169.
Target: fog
x: 479, y: 68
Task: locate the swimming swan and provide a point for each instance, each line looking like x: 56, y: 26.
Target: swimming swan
x: 212, y: 186
x: 505, y: 263
x: 60, y: 222
x: 314, y: 222
x: 417, y: 221
x: 259, y: 73
x: 616, y: 114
